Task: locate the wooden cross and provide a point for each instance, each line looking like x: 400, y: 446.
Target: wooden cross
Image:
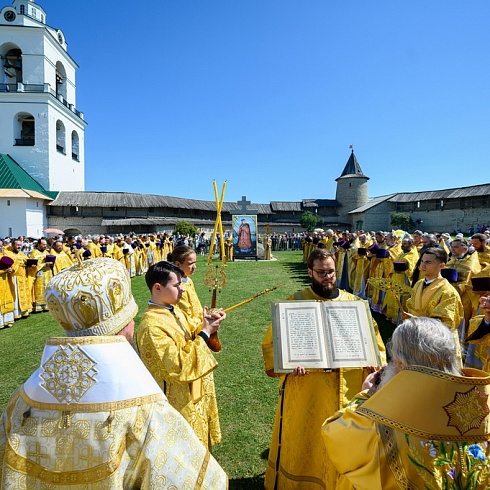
x: 244, y: 203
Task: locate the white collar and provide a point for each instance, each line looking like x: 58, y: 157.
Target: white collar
x: 90, y: 374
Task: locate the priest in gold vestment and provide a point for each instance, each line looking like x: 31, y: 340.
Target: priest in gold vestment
x: 297, y: 457
x: 63, y: 260
x: 478, y: 339
x: 425, y: 425
x: 7, y: 288
x: 23, y: 294
x: 92, y: 417
x: 479, y: 242
x: 401, y: 275
x: 177, y: 354
x: 467, y: 265
x: 40, y: 276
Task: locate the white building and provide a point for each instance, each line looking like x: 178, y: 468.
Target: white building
x: 40, y: 128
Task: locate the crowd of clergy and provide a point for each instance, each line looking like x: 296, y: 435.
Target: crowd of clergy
x: 385, y: 267
x: 27, y: 265
x: 381, y: 267
x: 401, y: 275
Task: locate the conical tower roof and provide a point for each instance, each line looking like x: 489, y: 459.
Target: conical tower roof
x: 352, y: 168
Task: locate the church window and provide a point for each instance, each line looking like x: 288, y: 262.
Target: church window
x: 60, y: 137
x: 61, y: 81
x: 12, y: 68
x: 75, y: 150
x: 22, y: 9
x: 25, y: 130
x: 34, y: 12
x: 8, y: 202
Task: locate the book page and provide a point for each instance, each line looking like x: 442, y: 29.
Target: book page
x: 300, y: 337
x: 323, y: 335
x: 348, y: 329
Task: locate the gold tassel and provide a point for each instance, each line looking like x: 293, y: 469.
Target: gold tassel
x: 109, y: 421
x: 65, y: 420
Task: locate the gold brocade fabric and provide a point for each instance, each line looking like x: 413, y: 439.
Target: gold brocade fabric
x: 478, y: 353
x: 484, y: 258
x: 23, y: 295
x: 439, y: 441
x: 438, y: 300
x: 94, y: 249
x: 92, y: 418
x: 391, y: 307
x: 297, y: 457
x: 7, y: 291
x: 381, y: 270
x: 62, y: 261
x: 182, y: 365
x: 168, y: 247
x: 376, y: 269
x: 467, y: 268
x: 190, y: 306
x: 38, y: 279
x: 361, y: 270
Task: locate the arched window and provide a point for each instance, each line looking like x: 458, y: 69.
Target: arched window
x: 24, y: 129
x: 75, y: 150
x: 23, y: 9
x: 60, y: 137
x: 60, y: 80
x: 12, y: 69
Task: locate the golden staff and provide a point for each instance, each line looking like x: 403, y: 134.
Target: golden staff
x: 217, y: 224
x: 265, y: 291
x: 396, y: 290
x: 220, y: 223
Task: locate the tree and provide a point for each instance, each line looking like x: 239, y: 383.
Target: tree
x: 308, y: 221
x: 185, y: 228
x: 402, y: 220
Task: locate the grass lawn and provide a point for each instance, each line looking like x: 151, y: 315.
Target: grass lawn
x: 246, y: 396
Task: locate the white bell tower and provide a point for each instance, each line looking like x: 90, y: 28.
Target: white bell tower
x: 40, y: 126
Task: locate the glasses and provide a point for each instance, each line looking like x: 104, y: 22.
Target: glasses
x: 321, y: 274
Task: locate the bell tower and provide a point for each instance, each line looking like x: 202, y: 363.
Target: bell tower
x: 352, y: 189
x: 40, y: 125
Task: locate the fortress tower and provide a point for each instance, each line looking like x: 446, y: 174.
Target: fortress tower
x: 40, y: 127
x: 352, y: 189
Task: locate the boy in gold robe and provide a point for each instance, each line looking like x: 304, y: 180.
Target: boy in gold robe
x: 177, y: 355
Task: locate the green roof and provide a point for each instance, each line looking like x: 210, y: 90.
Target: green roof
x: 13, y: 176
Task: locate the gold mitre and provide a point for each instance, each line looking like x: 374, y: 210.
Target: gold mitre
x: 92, y: 298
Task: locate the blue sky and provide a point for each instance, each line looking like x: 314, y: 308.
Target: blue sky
x: 269, y: 94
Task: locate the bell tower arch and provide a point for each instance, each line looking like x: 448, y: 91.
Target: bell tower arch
x: 38, y: 106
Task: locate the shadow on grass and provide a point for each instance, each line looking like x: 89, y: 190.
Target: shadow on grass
x: 298, y: 271
x: 252, y: 482
x: 386, y: 328
x: 247, y: 483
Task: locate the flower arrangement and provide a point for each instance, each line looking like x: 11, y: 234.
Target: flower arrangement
x: 451, y: 465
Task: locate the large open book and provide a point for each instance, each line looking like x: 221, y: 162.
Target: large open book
x: 323, y: 334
